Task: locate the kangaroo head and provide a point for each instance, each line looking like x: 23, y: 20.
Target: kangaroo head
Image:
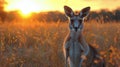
x: 76, y: 19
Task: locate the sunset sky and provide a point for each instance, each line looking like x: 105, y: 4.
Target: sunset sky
x: 27, y: 6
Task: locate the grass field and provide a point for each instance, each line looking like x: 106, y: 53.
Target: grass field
x: 34, y: 44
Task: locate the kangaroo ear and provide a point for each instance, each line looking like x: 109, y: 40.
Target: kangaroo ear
x: 84, y: 12
x: 68, y: 11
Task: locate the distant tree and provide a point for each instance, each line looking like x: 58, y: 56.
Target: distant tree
x: 13, y: 15
x: 93, y: 16
x: 117, y: 14
x: 2, y: 12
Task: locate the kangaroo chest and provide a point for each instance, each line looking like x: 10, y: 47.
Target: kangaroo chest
x: 75, y: 49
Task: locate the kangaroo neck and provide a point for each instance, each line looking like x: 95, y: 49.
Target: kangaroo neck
x: 75, y: 35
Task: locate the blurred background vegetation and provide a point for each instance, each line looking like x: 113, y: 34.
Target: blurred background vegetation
x: 54, y: 16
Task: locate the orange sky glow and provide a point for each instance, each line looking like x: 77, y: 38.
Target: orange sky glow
x: 28, y: 6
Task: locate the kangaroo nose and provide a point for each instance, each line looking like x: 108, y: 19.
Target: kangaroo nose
x: 76, y: 29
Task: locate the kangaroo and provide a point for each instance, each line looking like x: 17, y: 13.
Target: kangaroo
x: 75, y: 47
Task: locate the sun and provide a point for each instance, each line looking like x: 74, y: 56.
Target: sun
x: 25, y: 10
x: 26, y: 7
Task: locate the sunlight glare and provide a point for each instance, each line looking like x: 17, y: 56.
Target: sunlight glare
x: 27, y: 7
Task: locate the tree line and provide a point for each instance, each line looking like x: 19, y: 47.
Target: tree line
x: 54, y: 16
x: 99, y: 16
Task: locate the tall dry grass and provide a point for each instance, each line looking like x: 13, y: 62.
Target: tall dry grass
x: 35, y: 44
